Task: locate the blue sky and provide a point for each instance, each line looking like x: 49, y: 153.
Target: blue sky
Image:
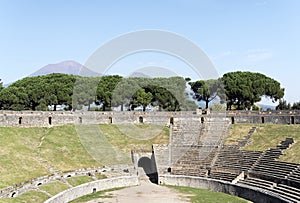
x: 254, y: 35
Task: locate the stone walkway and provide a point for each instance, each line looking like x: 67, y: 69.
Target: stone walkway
x: 145, y: 193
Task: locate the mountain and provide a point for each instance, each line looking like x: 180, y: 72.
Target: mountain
x: 139, y: 75
x: 66, y: 67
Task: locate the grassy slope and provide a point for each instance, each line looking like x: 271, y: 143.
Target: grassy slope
x: 29, y: 197
x: 237, y: 131
x: 54, y: 187
x: 63, y: 150
x: 268, y: 136
x: 22, y: 149
x: 128, y: 137
x: 78, y: 180
x: 18, y: 152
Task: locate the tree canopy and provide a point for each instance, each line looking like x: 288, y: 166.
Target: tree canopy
x: 243, y: 89
x: 105, y: 90
x: 37, y: 93
x: 284, y: 105
x: 166, y: 93
x: 208, y: 90
x: 1, y: 88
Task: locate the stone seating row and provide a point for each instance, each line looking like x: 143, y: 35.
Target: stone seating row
x: 222, y: 175
x: 294, y: 178
x: 287, y: 192
x: 233, y: 158
x: 267, y: 167
x: 189, y: 171
x: 193, y: 163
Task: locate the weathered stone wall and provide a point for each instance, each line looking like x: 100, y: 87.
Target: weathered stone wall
x: 50, y: 118
x: 249, y: 193
x: 268, y: 117
x: 95, y: 186
x: 162, y: 156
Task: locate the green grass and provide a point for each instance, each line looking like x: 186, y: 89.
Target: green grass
x: 111, y: 144
x: 29, y: 197
x: 100, y: 176
x: 206, y: 196
x: 54, y: 187
x: 63, y: 149
x: 237, y: 131
x: 128, y: 137
x: 96, y: 195
x: 22, y: 149
x: 18, y: 152
x: 268, y: 136
x: 78, y: 180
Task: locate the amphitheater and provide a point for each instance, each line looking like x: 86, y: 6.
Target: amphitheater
x: 196, y: 155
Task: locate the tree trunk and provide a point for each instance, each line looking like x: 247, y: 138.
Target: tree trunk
x: 206, y: 104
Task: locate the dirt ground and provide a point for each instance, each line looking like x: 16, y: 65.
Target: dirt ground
x: 146, y: 193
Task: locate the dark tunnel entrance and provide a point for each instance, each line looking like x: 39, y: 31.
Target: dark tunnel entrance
x: 149, y: 166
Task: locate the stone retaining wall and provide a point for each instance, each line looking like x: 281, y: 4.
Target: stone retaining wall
x: 249, y: 193
x: 19, y: 189
x: 56, y: 118
x: 95, y: 186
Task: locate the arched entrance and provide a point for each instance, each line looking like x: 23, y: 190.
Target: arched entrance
x: 149, y: 167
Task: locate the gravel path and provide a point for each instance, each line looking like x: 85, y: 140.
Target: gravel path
x: 145, y: 193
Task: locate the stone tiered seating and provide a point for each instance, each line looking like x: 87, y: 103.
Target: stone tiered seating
x: 213, y: 131
x: 287, y: 192
x: 268, y: 168
x: 195, y: 156
x: 294, y: 178
x: 230, y: 157
x: 231, y: 161
x: 222, y: 175
x: 193, y: 162
x: 274, y: 169
x: 189, y: 171
x: 186, y: 131
x: 227, y: 162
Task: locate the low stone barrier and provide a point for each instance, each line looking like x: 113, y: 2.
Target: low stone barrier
x: 20, y: 188
x: 91, y: 187
x: 250, y: 193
